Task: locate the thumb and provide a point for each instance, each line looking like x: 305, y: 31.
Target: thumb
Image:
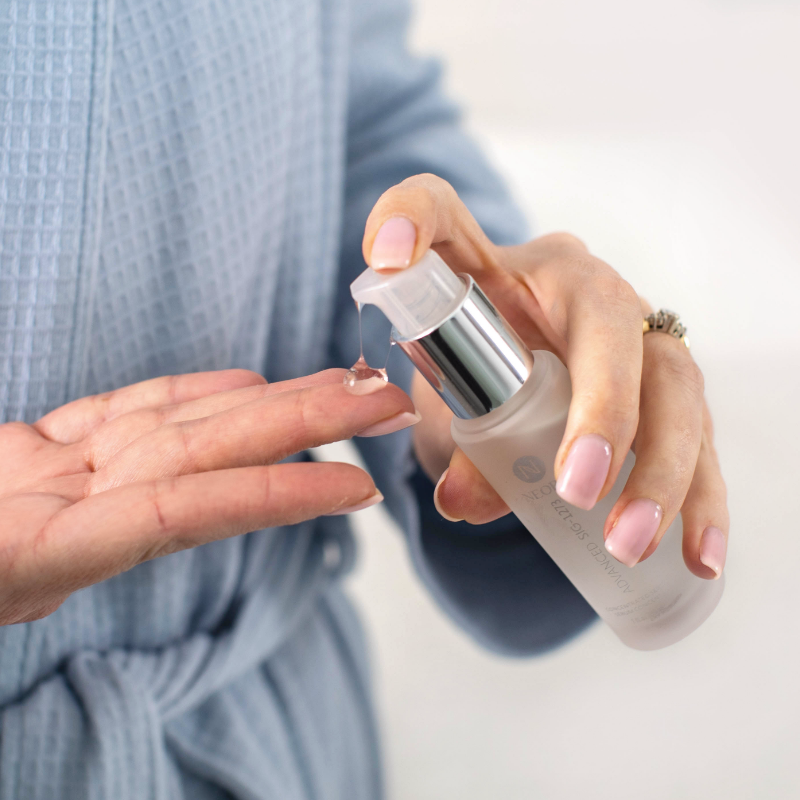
x: 421, y: 213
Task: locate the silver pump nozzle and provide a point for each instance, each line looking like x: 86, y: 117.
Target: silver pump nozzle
x: 451, y: 332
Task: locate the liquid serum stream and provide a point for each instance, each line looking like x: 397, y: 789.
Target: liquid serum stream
x: 361, y: 377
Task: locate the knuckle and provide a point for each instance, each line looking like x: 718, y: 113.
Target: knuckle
x: 173, y: 382
x: 307, y: 421
x: 183, y: 444
x: 299, y: 428
x: 168, y: 538
x: 565, y: 241
x: 426, y: 191
x: 428, y: 182
x: 622, y: 411
x: 619, y: 419
x: 615, y: 399
x: 151, y: 419
x: 604, y: 289
x: 616, y: 292
x: 157, y: 497
x: 169, y: 446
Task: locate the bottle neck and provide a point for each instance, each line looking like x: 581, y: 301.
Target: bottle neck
x: 473, y: 358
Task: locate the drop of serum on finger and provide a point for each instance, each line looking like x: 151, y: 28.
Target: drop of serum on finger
x: 362, y: 378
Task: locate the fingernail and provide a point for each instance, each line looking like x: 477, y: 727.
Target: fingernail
x: 585, y: 471
x: 635, y: 529
x: 370, y: 501
x: 713, y: 549
x: 394, y: 244
x: 395, y: 423
x: 436, y: 499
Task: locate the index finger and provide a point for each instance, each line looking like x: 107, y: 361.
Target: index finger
x: 556, y: 296
x: 262, y: 431
x: 121, y: 431
x: 425, y: 211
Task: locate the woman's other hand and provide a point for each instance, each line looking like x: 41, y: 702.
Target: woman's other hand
x: 106, y: 482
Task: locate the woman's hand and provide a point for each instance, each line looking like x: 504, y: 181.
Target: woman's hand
x: 107, y: 482
x: 627, y: 389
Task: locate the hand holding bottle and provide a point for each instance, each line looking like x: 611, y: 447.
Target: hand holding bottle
x: 626, y: 389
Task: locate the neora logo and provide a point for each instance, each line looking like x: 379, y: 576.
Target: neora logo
x: 530, y: 469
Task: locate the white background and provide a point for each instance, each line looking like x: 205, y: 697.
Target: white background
x: 666, y: 136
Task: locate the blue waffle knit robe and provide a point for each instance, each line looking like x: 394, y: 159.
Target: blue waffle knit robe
x: 183, y: 186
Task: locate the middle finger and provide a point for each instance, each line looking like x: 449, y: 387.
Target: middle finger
x: 259, y: 432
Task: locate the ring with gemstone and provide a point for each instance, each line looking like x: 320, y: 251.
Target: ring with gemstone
x: 665, y: 321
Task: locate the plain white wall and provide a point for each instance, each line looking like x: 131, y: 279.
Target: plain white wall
x: 666, y: 136
x: 723, y: 69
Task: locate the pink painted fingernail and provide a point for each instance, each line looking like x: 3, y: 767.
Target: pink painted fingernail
x: 436, y: 499
x: 713, y: 548
x: 394, y: 244
x: 370, y: 501
x: 396, y: 423
x: 585, y: 471
x: 635, y: 529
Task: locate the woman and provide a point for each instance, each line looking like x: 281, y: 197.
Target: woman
x: 185, y: 191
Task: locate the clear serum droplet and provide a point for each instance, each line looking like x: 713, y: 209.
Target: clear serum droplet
x: 362, y: 378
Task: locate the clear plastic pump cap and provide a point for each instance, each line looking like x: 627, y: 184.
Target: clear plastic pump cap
x: 416, y: 299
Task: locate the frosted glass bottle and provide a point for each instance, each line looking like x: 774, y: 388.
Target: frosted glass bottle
x: 652, y: 605
x: 511, y: 411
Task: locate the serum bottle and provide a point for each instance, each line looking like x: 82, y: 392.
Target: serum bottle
x: 510, y: 410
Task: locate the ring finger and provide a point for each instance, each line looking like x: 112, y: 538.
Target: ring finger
x: 667, y: 445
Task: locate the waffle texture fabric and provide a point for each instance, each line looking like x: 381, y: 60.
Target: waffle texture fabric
x: 183, y: 186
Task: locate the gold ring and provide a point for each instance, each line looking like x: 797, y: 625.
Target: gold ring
x: 664, y: 321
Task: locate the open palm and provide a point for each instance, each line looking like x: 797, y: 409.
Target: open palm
x: 106, y: 482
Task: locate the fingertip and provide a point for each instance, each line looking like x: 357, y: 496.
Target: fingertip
x: 437, y: 500
x: 462, y: 493
x: 713, y: 551
x: 372, y: 500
